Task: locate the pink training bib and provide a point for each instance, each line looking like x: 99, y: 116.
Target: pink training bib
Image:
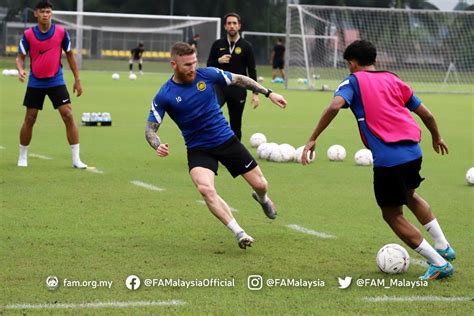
x: 384, y: 97
x: 45, y: 55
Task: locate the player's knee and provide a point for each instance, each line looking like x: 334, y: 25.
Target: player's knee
x: 30, y: 119
x: 67, y: 117
x: 261, y: 185
x: 207, y: 191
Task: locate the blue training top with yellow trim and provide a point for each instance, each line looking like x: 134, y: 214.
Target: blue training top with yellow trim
x: 194, y: 108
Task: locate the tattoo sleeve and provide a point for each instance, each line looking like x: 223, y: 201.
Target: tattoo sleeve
x: 248, y: 83
x: 151, y: 136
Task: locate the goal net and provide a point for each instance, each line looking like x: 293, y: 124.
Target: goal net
x: 112, y: 35
x: 431, y: 50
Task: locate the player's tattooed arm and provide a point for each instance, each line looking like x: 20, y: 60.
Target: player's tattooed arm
x: 151, y: 136
x: 248, y: 83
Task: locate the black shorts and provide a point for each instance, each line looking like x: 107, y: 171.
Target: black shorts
x: 232, y: 154
x: 34, y: 97
x: 278, y: 64
x: 391, y: 184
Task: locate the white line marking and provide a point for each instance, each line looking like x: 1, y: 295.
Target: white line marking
x: 95, y: 305
x: 302, y: 229
x: 146, y: 185
x: 429, y: 298
x: 94, y: 170
x: 204, y: 203
x: 419, y: 262
x: 40, y: 156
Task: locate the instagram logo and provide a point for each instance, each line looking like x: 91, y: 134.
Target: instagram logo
x: 255, y: 282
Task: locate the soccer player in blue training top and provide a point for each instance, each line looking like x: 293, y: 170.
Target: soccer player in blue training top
x: 190, y: 100
x: 44, y: 43
x: 381, y: 103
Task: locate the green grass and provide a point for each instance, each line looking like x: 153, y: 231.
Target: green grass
x: 74, y: 224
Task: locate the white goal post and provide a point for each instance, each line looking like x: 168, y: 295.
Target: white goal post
x: 431, y: 50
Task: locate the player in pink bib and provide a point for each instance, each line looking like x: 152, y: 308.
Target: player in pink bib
x: 381, y: 103
x: 44, y: 44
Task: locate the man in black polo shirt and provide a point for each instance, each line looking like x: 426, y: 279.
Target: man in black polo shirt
x: 233, y: 53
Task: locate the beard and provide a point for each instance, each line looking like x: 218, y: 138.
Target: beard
x: 185, y: 77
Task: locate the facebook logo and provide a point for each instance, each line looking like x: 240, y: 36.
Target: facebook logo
x: 132, y: 282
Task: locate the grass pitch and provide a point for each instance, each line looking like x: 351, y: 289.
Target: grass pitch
x: 79, y: 225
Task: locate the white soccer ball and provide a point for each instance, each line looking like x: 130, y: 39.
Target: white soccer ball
x: 393, y: 258
x: 336, y: 153
x: 299, y: 155
x: 260, y: 79
x: 363, y: 157
x: 324, y: 87
x: 470, y: 176
x: 266, y: 150
x: 287, y: 152
x: 257, y: 139
x: 14, y: 72
x: 132, y: 76
x: 116, y: 76
x: 5, y: 72
x: 276, y: 155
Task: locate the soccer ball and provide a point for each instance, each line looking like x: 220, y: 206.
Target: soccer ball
x: 324, y: 87
x: 299, y: 155
x: 14, y: 72
x: 116, y: 76
x: 276, y: 155
x: 257, y: 139
x: 287, y: 152
x: 363, y: 157
x: 264, y: 150
x: 470, y: 176
x: 132, y: 76
x: 393, y: 258
x: 6, y: 72
x: 336, y: 153
x: 260, y: 79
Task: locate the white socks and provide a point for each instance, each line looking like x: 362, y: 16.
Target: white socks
x: 23, y: 157
x: 430, y: 254
x: 234, y: 227
x: 437, y: 234
x: 76, y: 161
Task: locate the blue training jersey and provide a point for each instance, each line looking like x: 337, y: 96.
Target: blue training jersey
x: 24, y: 47
x: 194, y: 108
x: 385, y: 154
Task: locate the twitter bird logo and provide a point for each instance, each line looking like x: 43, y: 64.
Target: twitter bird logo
x: 344, y: 283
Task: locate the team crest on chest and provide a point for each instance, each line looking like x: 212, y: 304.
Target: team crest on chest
x: 201, y: 86
x: 238, y: 50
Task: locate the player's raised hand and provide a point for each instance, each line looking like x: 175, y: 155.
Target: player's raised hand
x: 278, y: 99
x: 162, y: 150
x: 308, y: 152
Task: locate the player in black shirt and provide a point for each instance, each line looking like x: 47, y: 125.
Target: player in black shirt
x: 233, y: 54
x: 136, y: 55
x: 277, y: 59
